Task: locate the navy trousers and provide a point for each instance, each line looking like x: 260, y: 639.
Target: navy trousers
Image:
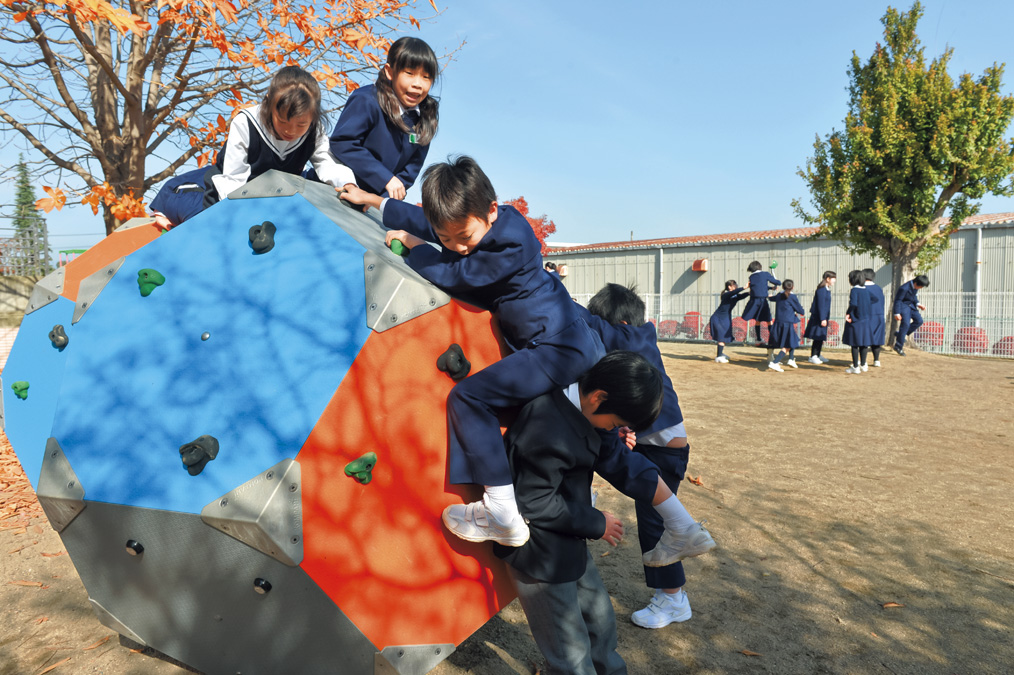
x: 672, y: 467
x: 911, y: 319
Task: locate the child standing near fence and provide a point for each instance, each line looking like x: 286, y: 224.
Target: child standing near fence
x: 721, y: 321
x: 385, y: 129
x: 878, y: 320
x: 858, y: 331
x: 820, y: 314
x: 783, y: 336
x: 761, y: 281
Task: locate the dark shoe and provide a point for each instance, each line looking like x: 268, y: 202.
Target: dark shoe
x: 899, y: 351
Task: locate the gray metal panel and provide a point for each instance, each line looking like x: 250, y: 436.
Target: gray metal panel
x: 107, y: 619
x: 272, y: 184
x: 393, y: 296
x: 998, y: 262
x: 135, y: 222
x: 190, y: 595
x: 410, y: 659
x: 266, y: 513
x: 60, y: 493
x: 46, y: 290
x: 91, y: 286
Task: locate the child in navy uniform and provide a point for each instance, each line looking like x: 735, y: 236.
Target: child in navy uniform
x: 721, y: 321
x: 761, y: 281
x: 283, y: 133
x: 879, y: 321
x: 385, y: 129
x: 783, y: 334
x: 858, y: 331
x: 820, y: 314
x: 553, y: 450
x: 617, y: 315
x: 906, y: 310
x: 489, y: 258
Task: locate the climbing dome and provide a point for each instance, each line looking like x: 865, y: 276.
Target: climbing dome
x: 238, y: 429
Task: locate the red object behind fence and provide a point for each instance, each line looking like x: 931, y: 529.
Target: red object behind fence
x: 930, y: 334
x: 668, y: 328
x: 1004, y: 346
x: 691, y: 325
x: 739, y: 329
x: 971, y: 340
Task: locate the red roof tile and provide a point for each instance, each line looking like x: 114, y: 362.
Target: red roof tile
x: 760, y: 235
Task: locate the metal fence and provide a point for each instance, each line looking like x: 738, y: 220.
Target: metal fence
x: 25, y: 252
x: 955, y: 323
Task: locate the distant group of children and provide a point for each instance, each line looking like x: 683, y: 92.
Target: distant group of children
x: 865, y: 322
x: 593, y: 393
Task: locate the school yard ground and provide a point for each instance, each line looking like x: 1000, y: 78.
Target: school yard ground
x: 865, y: 525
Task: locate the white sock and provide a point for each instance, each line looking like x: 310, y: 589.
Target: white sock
x: 674, y: 515
x: 500, y: 502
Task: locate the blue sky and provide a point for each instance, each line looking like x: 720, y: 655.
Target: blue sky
x: 662, y: 119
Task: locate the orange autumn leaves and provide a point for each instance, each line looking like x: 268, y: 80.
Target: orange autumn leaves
x: 123, y: 207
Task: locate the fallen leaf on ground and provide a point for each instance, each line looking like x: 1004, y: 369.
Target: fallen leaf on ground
x: 889, y: 605
x: 136, y: 651
x: 58, y: 663
x: 22, y: 582
x: 874, y: 634
x: 695, y: 481
x: 605, y: 554
x: 42, y: 619
x: 747, y: 652
x: 54, y: 555
x: 97, y: 644
x: 19, y: 549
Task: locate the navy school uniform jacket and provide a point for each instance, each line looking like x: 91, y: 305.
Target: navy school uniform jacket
x: 878, y: 305
x: 366, y: 141
x: 859, y: 331
x: 820, y: 310
x: 721, y: 320
x: 553, y: 451
x: 783, y: 331
x: 906, y: 299
x: 503, y: 275
x: 644, y: 341
x: 757, y: 306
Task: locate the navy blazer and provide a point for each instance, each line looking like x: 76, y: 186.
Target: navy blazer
x: 907, y: 296
x: 553, y: 451
x: 367, y: 142
x: 760, y: 282
x: 820, y: 308
x: 644, y: 341
x: 503, y: 275
x: 786, y: 308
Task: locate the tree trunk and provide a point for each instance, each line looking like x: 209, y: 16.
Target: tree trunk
x: 903, y: 268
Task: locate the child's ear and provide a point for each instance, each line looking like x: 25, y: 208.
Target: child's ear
x: 598, y: 397
x: 492, y: 213
x: 389, y: 72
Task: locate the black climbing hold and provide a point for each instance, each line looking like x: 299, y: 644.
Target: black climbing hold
x: 134, y: 547
x: 262, y: 237
x: 262, y: 586
x: 196, y: 454
x: 58, y: 337
x: 454, y: 363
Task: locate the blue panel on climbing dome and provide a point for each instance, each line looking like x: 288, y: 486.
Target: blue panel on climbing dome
x: 243, y: 347
x: 34, y: 359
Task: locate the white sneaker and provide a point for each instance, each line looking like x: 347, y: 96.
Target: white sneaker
x: 853, y: 370
x: 774, y: 366
x: 815, y: 360
x: 674, y: 547
x: 663, y: 609
x: 722, y: 359
x: 791, y: 363
x: 822, y: 359
x: 876, y: 364
x: 864, y: 367
x: 472, y: 522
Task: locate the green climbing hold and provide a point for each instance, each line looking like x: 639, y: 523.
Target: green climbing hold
x: 20, y: 389
x: 147, y: 280
x: 362, y: 469
x: 399, y: 248
x: 774, y: 264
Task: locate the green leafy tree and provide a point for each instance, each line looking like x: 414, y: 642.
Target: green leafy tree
x: 916, y: 152
x: 30, y: 240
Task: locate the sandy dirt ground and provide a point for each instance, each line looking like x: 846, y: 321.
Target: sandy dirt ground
x: 865, y: 525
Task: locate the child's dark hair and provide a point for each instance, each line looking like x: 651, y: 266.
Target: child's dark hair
x: 787, y: 286
x: 454, y: 190
x: 922, y: 280
x: 755, y: 266
x: 410, y: 53
x: 869, y: 274
x: 632, y: 385
x: 857, y: 278
x: 730, y: 283
x: 292, y: 93
x: 550, y: 265
x: 618, y: 304
x: 827, y: 275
